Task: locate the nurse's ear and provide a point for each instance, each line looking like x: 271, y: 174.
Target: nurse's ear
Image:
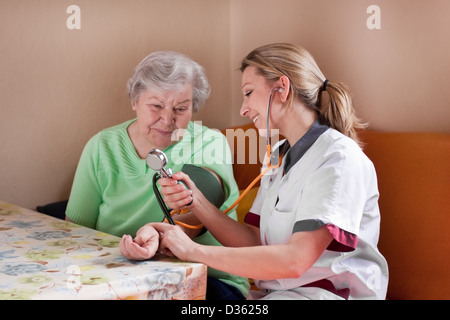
x: 284, y: 84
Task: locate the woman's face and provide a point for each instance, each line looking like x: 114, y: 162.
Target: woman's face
x: 256, y: 93
x: 161, y: 114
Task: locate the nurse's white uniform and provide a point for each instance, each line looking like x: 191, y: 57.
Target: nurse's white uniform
x: 325, y: 179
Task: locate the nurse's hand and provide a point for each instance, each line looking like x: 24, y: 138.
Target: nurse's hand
x: 174, y: 242
x: 143, y: 246
x: 176, y: 196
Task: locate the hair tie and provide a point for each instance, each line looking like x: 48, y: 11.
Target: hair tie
x: 324, y: 87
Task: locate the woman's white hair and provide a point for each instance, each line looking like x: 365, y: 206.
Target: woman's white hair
x: 169, y: 71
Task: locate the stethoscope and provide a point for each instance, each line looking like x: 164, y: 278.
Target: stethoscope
x: 157, y: 160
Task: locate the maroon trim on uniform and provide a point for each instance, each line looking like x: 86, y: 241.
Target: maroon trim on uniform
x: 328, y: 285
x: 252, y: 219
x: 343, y: 241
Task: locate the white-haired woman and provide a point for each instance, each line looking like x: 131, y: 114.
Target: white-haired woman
x: 112, y: 189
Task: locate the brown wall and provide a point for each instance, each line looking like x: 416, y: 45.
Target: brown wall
x: 398, y: 74
x: 59, y: 86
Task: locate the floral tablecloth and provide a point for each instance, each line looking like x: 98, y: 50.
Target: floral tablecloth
x: 42, y: 257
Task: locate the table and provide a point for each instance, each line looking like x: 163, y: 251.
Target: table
x: 42, y: 257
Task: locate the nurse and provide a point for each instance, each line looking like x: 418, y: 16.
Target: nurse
x: 313, y: 229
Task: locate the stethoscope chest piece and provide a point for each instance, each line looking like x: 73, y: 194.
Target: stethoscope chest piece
x: 157, y: 160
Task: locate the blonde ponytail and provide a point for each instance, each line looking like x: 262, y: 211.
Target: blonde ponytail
x: 307, y: 84
x: 338, y: 112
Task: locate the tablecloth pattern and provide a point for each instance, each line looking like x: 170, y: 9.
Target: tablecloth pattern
x: 42, y: 257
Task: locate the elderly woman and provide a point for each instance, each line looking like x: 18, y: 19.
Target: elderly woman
x: 112, y: 189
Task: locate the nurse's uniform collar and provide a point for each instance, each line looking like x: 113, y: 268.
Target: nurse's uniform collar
x: 295, y: 153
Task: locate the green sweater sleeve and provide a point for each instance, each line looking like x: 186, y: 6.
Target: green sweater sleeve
x: 85, y: 197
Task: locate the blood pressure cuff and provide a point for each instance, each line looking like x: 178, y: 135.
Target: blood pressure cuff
x: 207, y: 183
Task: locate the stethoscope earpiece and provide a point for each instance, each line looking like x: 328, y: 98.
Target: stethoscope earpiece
x: 269, y: 154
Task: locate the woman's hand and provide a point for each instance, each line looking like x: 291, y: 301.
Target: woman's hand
x: 143, y: 246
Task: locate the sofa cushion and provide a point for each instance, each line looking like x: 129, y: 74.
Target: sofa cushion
x: 413, y: 172
x: 246, y: 203
x: 247, y: 153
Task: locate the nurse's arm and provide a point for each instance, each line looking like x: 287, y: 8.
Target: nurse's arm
x: 290, y: 260
x: 227, y: 231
